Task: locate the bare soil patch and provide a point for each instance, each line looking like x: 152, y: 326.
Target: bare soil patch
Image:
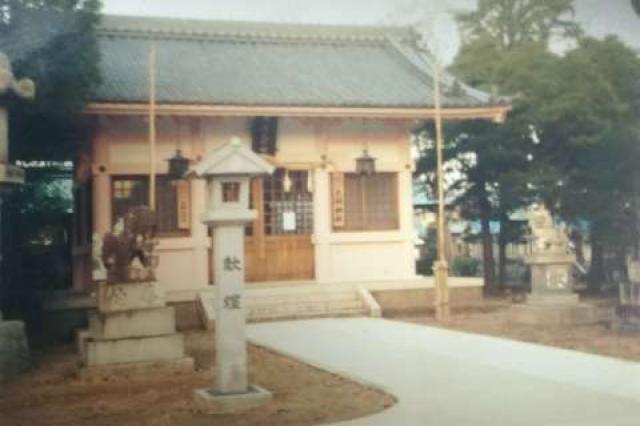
x: 54, y: 394
x: 491, y: 318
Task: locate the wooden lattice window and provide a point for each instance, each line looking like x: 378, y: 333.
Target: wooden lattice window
x: 365, y: 202
x: 288, y: 203
x: 172, y: 201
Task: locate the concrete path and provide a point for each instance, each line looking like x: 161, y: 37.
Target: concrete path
x: 442, y: 377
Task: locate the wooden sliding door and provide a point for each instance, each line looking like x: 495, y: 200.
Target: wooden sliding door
x: 278, y: 244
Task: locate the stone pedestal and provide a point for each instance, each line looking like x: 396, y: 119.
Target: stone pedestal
x: 552, y: 300
x: 441, y: 299
x: 627, y: 318
x: 132, y: 325
x: 14, y: 350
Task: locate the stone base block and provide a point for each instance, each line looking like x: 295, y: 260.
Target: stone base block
x: 626, y: 327
x: 82, y: 337
x: 212, y: 402
x: 129, y: 297
x: 14, y: 350
x: 557, y: 314
x: 139, y: 323
x: 553, y: 299
x: 146, y: 349
x: 627, y: 319
x: 101, y: 373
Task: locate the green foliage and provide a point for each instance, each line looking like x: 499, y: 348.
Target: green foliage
x: 424, y: 265
x: 581, y: 107
x: 38, y: 207
x: 591, y: 140
x: 62, y: 59
x: 53, y: 43
x: 464, y: 266
x: 36, y: 232
x: 511, y: 23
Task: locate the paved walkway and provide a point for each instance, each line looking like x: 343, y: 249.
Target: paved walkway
x: 443, y: 377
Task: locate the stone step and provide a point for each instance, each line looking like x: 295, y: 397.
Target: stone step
x: 312, y: 308
x: 310, y: 314
x: 256, y: 299
x: 268, y: 304
x: 141, y: 323
x: 146, y: 349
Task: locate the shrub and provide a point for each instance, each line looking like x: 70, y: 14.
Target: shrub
x: 465, y: 266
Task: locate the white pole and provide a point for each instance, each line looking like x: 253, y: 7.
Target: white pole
x: 441, y: 269
x: 152, y: 127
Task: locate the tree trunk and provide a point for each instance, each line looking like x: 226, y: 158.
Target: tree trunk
x: 502, y: 251
x: 596, y: 275
x: 487, y: 241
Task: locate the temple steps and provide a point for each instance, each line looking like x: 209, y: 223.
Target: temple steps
x: 307, y: 301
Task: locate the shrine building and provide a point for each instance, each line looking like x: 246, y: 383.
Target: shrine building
x: 312, y: 100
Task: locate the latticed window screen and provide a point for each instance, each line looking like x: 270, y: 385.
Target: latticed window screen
x: 370, y: 202
x: 288, y: 210
x: 133, y: 191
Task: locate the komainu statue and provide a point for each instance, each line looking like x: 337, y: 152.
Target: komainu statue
x: 545, y: 236
x: 128, y: 252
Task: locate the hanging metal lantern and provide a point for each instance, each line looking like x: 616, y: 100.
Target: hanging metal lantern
x: 286, y: 182
x: 178, y: 166
x: 365, y: 165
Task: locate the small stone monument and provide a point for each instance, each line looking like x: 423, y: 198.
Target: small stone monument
x: 628, y: 311
x: 228, y: 171
x: 132, y: 323
x: 552, y: 299
x: 14, y: 351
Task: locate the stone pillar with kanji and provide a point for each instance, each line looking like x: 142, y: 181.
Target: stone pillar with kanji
x: 228, y: 171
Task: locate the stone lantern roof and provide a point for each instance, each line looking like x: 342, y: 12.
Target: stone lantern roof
x: 232, y: 159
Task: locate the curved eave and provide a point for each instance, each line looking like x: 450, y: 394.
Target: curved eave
x: 494, y: 113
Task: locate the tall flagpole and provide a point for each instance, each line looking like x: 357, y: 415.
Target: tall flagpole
x: 152, y: 127
x: 441, y: 269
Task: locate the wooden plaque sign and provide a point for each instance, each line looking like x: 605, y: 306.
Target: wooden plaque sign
x: 337, y: 188
x: 182, y: 195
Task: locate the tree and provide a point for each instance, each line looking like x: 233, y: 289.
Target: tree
x: 590, y: 137
x: 505, y: 47
x: 508, y: 24
x: 52, y: 42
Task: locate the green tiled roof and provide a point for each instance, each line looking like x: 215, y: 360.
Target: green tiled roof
x: 253, y: 64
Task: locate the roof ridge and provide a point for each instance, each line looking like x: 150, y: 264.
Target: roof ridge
x: 424, y: 64
x: 246, y: 30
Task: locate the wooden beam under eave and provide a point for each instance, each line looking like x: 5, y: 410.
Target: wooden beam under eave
x: 494, y: 113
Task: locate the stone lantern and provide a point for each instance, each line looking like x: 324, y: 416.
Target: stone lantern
x: 228, y: 171
x: 10, y: 175
x: 552, y: 300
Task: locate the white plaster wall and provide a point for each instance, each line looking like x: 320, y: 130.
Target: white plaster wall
x: 321, y: 146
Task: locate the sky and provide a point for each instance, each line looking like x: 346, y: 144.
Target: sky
x: 598, y: 17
